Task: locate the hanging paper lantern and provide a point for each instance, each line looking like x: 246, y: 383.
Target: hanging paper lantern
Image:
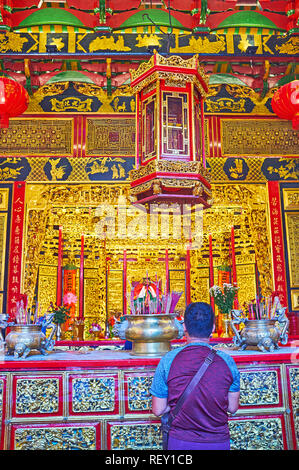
x: 14, y: 100
x: 285, y: 102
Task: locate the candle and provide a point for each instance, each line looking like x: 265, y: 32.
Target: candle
x: 59, y: 269
x: 125, y: 283
x: 211, y: 268
x: 81, y: 279
x: 167, y: 270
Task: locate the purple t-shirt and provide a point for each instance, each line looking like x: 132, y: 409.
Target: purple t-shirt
x: 203, y: 417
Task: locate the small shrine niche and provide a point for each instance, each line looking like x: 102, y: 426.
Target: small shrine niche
x: 170, y: 153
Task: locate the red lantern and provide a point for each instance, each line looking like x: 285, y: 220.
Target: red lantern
x: 285, y: 102
x: 14, y: 100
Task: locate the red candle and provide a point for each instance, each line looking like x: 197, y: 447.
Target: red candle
x: 137, y: 129
x: 81, y: 279
x: 188, y: 270
x: 211, y: 268
x: 234, y: 269
x: 125, y: 283
x: 157, y: 293
x: 59, y: 269
x: 167, y: 270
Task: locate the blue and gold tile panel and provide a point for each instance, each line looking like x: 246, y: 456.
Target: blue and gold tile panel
x: 116, y: 169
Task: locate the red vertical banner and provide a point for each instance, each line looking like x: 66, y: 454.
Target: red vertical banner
x: 59, y: 268
x: 69, y: 294
x: 279, y: 268
x: 16, y: 247
x: 234, y: 267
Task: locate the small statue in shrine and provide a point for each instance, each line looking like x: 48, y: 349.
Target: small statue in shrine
x: 146, y: 296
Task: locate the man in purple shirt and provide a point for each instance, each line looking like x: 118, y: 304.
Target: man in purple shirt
x: 202, y: 422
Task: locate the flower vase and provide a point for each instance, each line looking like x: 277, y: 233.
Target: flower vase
x: 58, y: 332
x: 226, y: 331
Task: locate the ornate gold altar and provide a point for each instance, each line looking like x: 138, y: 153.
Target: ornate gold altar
x: 100, y: 400
x: 79, y: 208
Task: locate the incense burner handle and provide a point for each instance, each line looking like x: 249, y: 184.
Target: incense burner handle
x: 236, y: 320
x: 283, y: 320
x: 119, y: 328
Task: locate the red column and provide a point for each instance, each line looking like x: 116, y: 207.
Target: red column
x: 81, y: 280
x: 16, y: 247
x: 278, y: 257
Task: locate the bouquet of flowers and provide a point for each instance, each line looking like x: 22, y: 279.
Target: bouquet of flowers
x: 61, y: 314
x: 224, y: 298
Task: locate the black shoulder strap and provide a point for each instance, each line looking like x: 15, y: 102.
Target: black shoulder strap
x: 192, y: 384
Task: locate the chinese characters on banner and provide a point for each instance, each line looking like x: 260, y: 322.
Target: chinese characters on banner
x: 16, y: 244
x: 277, y: 242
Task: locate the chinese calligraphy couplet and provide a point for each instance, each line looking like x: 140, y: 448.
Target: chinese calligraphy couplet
x: 234, y: 268
x: 277, y: 242
x: 16, y: 247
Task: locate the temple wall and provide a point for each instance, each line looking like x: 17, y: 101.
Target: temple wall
x: 60, y: 170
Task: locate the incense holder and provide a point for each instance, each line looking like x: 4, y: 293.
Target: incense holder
x: 150, y: 333
x: 264, y: 334
x: 22, y: 339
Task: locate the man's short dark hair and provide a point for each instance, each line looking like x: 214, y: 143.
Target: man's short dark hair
x: 199, y: 319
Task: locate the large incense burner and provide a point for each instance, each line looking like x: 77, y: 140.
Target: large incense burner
x: 22, y: 339
x: 262, y: 333
x: 153, y: 322
x: 150, y: 334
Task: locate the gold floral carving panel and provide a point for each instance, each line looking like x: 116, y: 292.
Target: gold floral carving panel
x: 37, y: 396
x: 37, y: 137
x: 259, y: 388
x: 135, y: 436
x: 78, y: 437
x: 258, y: 137
x: 93, y: 394
x: 139, y: 397
x: 256, y: 434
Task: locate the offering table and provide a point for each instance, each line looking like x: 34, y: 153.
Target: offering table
x: 97, y: 397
